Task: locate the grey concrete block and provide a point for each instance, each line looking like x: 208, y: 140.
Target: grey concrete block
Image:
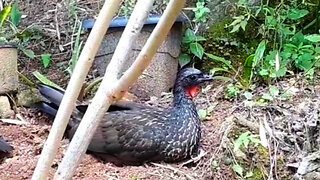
x: 160, y: 75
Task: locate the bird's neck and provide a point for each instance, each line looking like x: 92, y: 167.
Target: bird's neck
x: 183, y: 97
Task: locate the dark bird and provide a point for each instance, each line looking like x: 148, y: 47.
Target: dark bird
x: 5, y: 147
x: 134, y: 133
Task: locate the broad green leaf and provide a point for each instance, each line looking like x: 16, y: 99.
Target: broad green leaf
x: 28, y: 53
x: 197, y: 49
x: 46, y: 58
x: 189, y: 36
x: 313, y: 38
x: 184, y: 59
x: 4, y: 14
x: 295, y: 14
x: 238, y: 169
x: 259, y: 53
x: 247, y: 69
x: 235, y: 28
x: 15, y: 14
x: 43, y: 79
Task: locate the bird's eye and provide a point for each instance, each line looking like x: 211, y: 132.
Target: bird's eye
x: 193, y: 77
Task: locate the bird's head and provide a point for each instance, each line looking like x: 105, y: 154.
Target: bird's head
x: 189, y: 80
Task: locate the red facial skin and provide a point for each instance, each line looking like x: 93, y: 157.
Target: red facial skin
x: 192, y: 91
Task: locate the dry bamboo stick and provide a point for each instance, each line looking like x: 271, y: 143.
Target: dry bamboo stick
x: 81, y: 70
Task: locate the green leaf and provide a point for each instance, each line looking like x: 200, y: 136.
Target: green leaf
x: 28, y: 53
x: 295, y: 14
x: 15, y: 14
x: 4, y: 14
x: 267, y: 96
x: 263, y: 72
x: 238, y: 169
x: 46, y: 58
x: 189, y: 36
x: 221, y: 59
x: 259, y: 53
x: 184, y: 59
x: 199, y: 38
x: 274, y: 91
x: 247, y: 69
x: 313, y: 38
x: 43, y: 79
x: 235, y: 28
x: 197, y: 49
x: 243, y: 25
x: 202, y: 113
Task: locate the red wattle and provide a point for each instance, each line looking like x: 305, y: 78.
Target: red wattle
x: 193, y: 91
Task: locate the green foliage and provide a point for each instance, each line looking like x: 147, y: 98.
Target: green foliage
x: 15, y: 15
x: 244, y: 140
x: 286, y: 45
x: 4, y: 14
x: 10, y: 18
x: 43, y: 79
x: 232, y: 91
x: 191, y: 41
x: 46, y: 58
x: 76, y: 48
x: 201, y: 12
x: 240, y: 146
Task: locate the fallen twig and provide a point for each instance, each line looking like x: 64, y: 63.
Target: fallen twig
x: 175, y: 170
x: 14, y: 121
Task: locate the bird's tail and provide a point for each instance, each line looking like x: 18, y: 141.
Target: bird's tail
x: 54, y: 97
x: 4, y: 146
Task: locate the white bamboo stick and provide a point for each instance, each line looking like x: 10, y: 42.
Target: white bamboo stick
x: 81, y: 70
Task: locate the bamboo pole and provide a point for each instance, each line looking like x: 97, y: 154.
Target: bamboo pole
x: 107, y: 93
x: 81, y: 70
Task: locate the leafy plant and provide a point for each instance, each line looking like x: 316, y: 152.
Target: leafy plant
x: 201, y: 12
x: 232, y: 91
x: 191, y: 41
x: 10, y: 18
x: 244, y: 140
x: 284, y: 46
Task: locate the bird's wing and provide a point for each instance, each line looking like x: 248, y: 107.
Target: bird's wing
x: 130, y: 135
x: 4, y: 146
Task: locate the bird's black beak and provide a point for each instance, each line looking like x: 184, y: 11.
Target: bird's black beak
x: 205, y: 78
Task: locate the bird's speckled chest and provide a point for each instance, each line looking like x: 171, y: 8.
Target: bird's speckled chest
x: 183, y: 135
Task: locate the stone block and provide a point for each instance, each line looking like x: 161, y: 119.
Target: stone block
x: 160, y: 75
x: 8, y: 69
x: 5, y: 107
